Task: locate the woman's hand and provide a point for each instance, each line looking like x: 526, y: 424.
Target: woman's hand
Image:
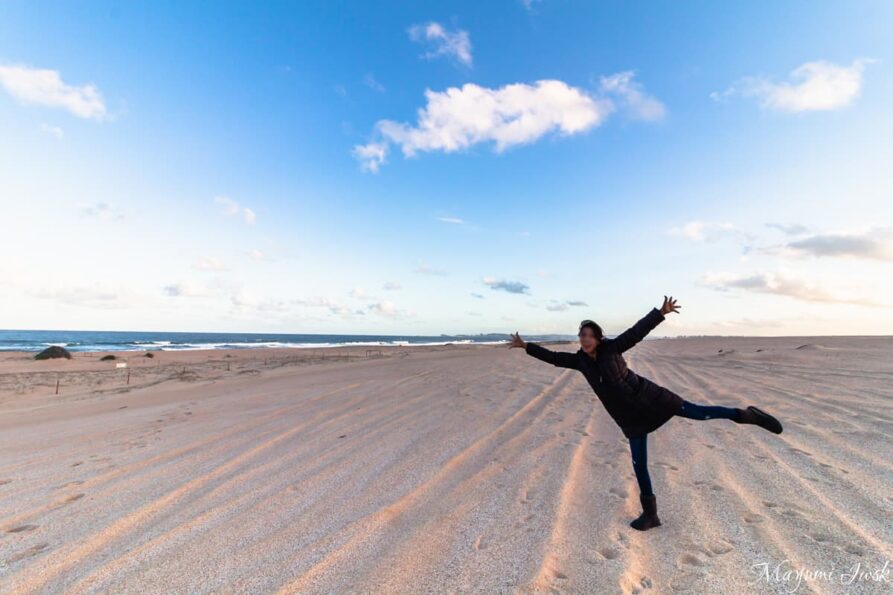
x: 516, y: 341
x: 669, y: 306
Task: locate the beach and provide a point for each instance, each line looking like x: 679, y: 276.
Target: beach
x: 447, y: 468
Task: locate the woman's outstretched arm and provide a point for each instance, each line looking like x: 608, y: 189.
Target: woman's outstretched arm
x: 560, y: 359
x: 645, y: 325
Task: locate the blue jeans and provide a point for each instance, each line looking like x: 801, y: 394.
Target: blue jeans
x: 638, y: 445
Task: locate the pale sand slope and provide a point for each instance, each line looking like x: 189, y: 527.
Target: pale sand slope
x: 453, y: 469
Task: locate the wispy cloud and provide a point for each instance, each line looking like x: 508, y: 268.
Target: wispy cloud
x: 441, y: 42
x: 371, y: 156
x: 360, y: 294
x: 424, y: 269
x: 232, y: 209
x: 54, y: 131
x: 387, y: 309
x: 392, y: 286
x: 189, y: 289
x: 632, y: 97
x: 40, y: 86
x: 779, y: 284
x: 703, y: 231
x: 210, y: 263
x: 818, y: 85
x: 875, y: 243
x: 504, y: 285
x: 101, y: 210
x: 454, y: 220
x: 369, y: 81
x: 789, y: 228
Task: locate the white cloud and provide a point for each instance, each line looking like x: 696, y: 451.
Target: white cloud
x: 232, y: 209
x: 640, y: 105
x: 39, y: 86
x: 515, y: 114
x: 52, y: 130
x: 257, y: 255
x: 452, y: 44
x: 392, y: 286
x: 818, y: 85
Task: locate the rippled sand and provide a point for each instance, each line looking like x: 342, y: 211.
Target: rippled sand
x: 449, y: 469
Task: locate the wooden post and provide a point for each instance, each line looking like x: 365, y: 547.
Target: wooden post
x: 57, y: 386
x: 128, y: 375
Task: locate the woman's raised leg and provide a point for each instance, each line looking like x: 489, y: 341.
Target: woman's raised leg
x: 751, y: 415
x: 702, y: 412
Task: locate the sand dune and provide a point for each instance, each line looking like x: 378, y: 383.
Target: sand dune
x: 443, y: 469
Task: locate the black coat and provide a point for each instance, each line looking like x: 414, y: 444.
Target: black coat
x: 636, y: 404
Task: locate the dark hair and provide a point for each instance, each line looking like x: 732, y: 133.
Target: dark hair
x: 596, y: 329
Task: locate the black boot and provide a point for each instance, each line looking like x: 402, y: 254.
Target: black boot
x: 648, y: 518
x: 758, y: 417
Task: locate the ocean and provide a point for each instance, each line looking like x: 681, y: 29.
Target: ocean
x: 20, y: 340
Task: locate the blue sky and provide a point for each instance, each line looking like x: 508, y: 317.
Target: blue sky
x: 452, y: 168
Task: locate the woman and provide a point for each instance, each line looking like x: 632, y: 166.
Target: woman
x: 637, y: 405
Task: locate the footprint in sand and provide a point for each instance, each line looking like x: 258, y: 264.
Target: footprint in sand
x: 22, y: 528
x: 479, y: 543
x: 31, y: 551
x: 619, y: 492
x: 666, y: 466
x: 819, y: 536
x: 3, y: 482
x: 709, y: 484
x: 719, y: 548
x: 556, y: 574
x: 752, y: 517
x: 609, y: 552
x: 690, y: 559
x: 852, y: 548
x: 78, y: 463
x: 768, y: 504
x: 644, y: 583
x: 794, y: 449
x: 72, y: 498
